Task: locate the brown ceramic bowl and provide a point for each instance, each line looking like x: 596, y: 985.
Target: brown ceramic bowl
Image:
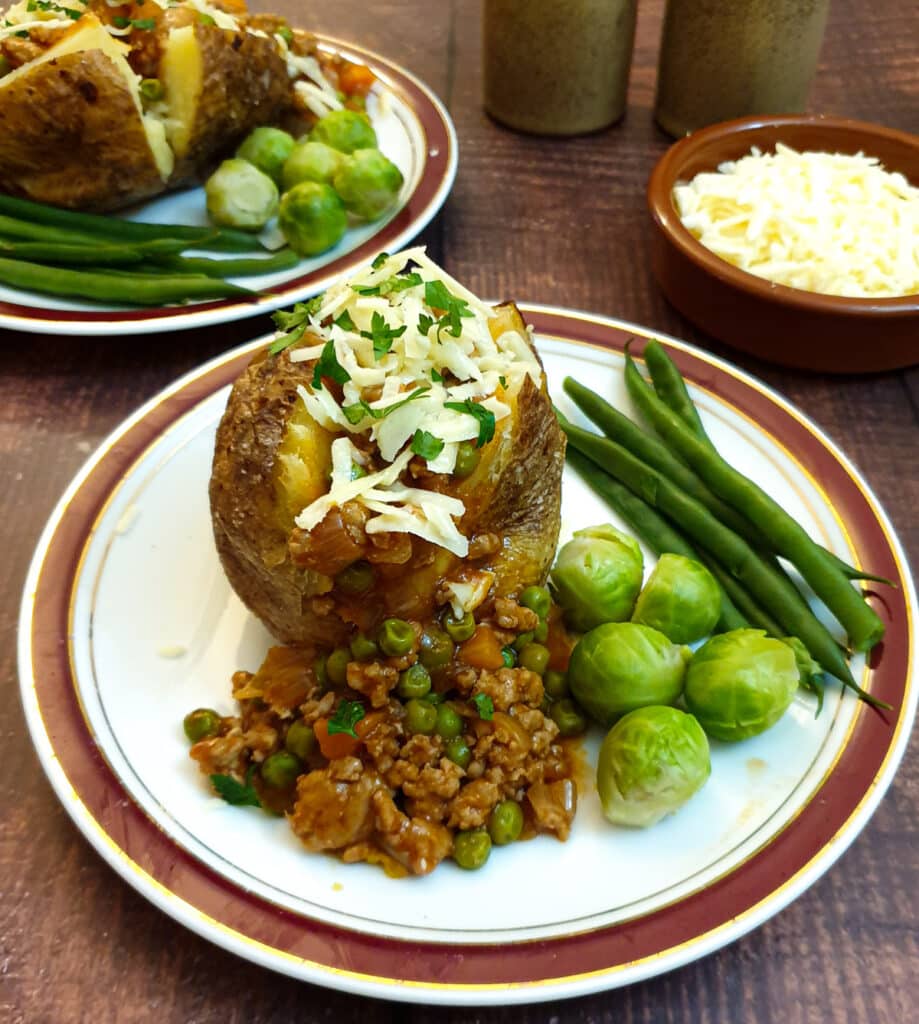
x: 781, y: 324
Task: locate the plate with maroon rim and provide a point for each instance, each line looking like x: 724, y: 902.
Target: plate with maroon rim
x: 414, y: 130
x: 129, y: 575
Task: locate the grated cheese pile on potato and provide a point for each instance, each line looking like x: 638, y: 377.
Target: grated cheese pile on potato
x: 420, y: 372
x: 821, y: 222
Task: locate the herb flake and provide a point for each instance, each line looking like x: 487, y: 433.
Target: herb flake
x: 382, y: 335
x: 356, y: 412
x: 485, y: 417
x: 426, y: 445
x: 239, y: 794
x: 485, y: 706
x: 346, y: 717
x: 327, y: 365
x: 453, y: 308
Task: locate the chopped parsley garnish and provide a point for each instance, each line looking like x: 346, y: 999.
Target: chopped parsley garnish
x: 485, y: 706
x: 294, y: 323
x: 485, y: 417
x: 436, y: 377
x: 356, y: 412
x: 399, y: 283
x: 379, y: 260
x: 345, y: 322
x: 502, y: 380
x: 510, y: 656
x: 382, y: 335
x: 327, y: 365
x: 357, y: 471
x: 144, y: 24
x: 346, y: 717
x: 239, y: 794
x: 453, y: 308
x: 425, y: 323
x: 426, y: 445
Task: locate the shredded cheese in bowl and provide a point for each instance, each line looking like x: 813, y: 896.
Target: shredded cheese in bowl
x: 419, y: 371
x: 822, y: 222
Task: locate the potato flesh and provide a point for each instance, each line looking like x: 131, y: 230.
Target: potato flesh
x: 181, y: 75
x: 302, y: 468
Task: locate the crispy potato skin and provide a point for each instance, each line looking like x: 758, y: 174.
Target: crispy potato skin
x: 245, y: 84
x: 59, y: 144
x: 515, y: 492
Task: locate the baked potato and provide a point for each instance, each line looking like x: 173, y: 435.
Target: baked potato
x: 74, y: 129
x: 273, y: 458
x: 80, y: 132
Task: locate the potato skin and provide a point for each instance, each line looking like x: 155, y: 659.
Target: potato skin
x: 60, y: 143
x: 515, y: 492
x: 244, y: 84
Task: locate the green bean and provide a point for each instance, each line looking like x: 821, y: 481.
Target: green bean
x: 99, y: 286
x: 861, y: 623
x: 286, y: 259
x: 768, y: 587
x: 748, y: 610
x: 118, y: 229
x: 653, y: 529
x: 650, y: 450
x: 73, y: 253
x: 671, y: 389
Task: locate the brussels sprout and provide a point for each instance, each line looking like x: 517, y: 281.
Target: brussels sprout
x: 345, y: 130
x: 268, y: 149
x: 239, y: 195
x: 597, y: 576
x: 620, y: 666
x: 312, y: 218
x: 680, y: 599
x: 740, y: 683
x: 650, y: 764
x: 368, y: 183
x: 311, y: 161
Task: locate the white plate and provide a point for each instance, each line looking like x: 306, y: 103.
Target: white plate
x: 127, y: 567
x: 414, y: 131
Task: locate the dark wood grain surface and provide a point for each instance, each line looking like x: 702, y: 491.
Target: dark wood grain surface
x: 545, y: 221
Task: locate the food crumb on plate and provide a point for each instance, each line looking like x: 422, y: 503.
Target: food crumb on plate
x: 756, y: 765
x: 127, y: 520
x: 174, y: 651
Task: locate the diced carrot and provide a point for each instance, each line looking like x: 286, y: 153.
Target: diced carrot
x: 560, y: 644
x: 355, y: 79
x: 336, y: 744
x: 482, y: 649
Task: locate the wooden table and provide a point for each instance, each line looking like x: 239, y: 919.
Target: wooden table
x: 539, y: 220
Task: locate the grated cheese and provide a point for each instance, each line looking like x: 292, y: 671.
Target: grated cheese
x: 424, y: 361
x: 822, y: 222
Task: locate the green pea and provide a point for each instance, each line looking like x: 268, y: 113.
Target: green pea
x: 541, y: 633
x: 357, y: 578
x: 201, y: 724
x: 151, y: 89
x: 420, y: 717
x: 510, y: 656
x: 555, y: 684
x: 522, y: 640
x: 449, y: 724
x: 415, y: 682
x: 280, y: 770
x: 300, y: 739
x: 536, y: 599
x: 396, y: 637
x: 471, y: 849
x: 321, y: 672
x: 336, y: 665
x: 505, y: 823
x: 467, y: 459
x: 363, y: 648
x: 569, y: 718
x: 535, y: 657
x: 436, y: 648
x: 459, y: 629
x: 434, y: 698
x: 458, y: 751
